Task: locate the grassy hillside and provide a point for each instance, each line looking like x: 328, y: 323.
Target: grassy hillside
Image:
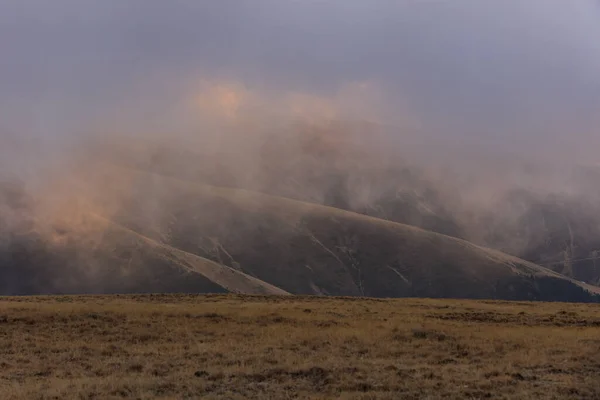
x: 560, y: 231
x: 237, y: 347
x: 546, y: 213
x: 123, y: 230
x: 306, y: 248
x: 94, y: 255
x: 543, y: 212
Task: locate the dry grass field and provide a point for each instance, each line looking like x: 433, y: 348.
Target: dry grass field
x: 238, y: 347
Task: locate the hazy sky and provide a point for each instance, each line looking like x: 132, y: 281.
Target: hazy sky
x: 494, y: 69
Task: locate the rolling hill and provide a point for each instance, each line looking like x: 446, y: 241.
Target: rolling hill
x: 315, y: 221
x: 85, y: 253
x: 543, y: 211
x: 305, y: 248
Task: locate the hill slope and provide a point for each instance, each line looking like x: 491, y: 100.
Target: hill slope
x: 305, y: 248
x: 93, y: 255
x: 543, y: 211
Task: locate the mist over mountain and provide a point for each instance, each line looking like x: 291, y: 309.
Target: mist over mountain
x: 318, y: 212
x: 440, y: 149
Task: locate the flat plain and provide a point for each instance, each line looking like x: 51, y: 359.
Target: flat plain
x: 238, y: 347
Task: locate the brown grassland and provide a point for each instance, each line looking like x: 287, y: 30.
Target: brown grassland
x: 237, y: 347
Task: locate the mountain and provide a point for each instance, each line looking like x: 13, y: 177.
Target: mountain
x: 543, y: 212
x: 560, y: 231
x: 85, y: 253
x: 306, y: 248
x: 314, y: 211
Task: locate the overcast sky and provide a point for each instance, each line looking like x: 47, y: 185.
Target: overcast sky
x: 495, y: 69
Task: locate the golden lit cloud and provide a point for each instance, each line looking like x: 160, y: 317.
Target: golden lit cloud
x: 221, y: 99
x: 230, y: 99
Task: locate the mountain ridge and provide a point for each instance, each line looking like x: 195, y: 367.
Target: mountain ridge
x: 301, y: 223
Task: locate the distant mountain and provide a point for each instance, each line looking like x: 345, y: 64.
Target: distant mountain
x: 313, y: 210
x: 85, y: 253
x: 559, y: 231
x: 305, y: 248
x: 354, y: 170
